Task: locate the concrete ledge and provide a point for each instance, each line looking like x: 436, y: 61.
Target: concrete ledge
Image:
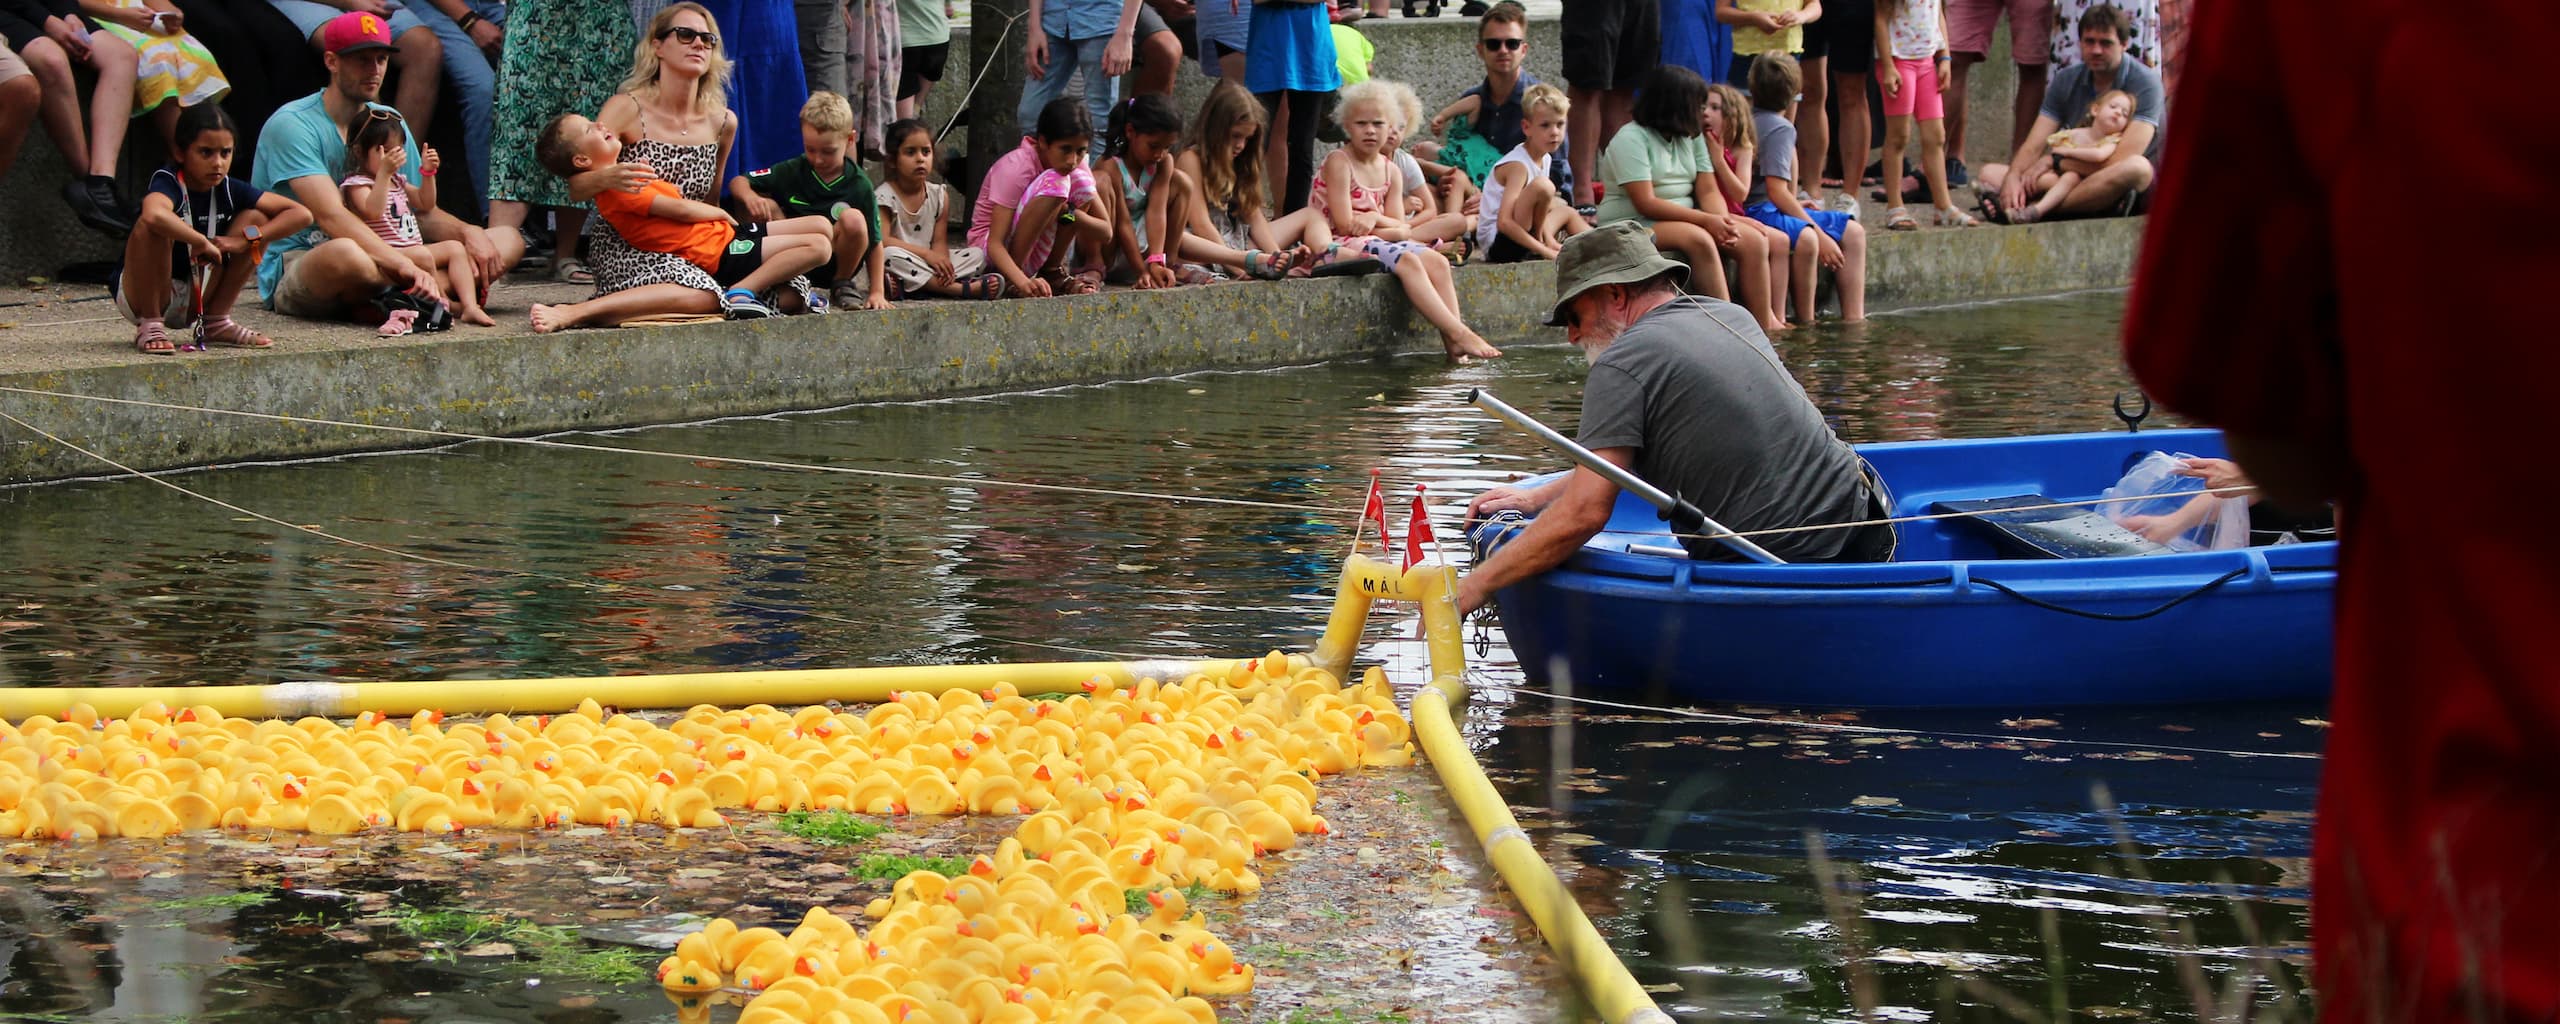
x: 486, y: 382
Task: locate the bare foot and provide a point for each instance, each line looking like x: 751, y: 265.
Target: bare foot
x: 1772, y: 326
x: 547, y: 319
x: 1470, y: 346
x: 478, y: 318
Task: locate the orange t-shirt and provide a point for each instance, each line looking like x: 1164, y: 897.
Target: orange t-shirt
x: 699, y: 242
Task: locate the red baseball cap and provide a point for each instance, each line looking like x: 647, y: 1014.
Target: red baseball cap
x: 355, y: 30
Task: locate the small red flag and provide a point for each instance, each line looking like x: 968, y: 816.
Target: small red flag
x: 1375, y: 511
x: 1417, y: 531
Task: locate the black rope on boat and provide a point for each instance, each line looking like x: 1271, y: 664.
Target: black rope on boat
x: 2118, y: 616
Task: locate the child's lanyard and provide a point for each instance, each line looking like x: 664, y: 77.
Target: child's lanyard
x: 186, y: 209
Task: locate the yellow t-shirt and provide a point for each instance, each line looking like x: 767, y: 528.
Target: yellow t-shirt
x: 1749, y: 40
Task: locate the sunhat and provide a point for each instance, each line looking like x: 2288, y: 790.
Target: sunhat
x: 1620, y: 253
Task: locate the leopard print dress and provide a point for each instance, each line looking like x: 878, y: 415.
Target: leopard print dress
x: 695, y: 170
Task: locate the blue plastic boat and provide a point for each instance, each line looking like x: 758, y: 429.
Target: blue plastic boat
x: 1953, y: 621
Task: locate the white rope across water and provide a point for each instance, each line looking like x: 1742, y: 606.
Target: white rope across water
x: 509, y: 573
x: 1694, y: 714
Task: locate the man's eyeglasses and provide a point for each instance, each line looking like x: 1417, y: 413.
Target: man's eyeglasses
x: 692, y: 37
x: 1504, y: 44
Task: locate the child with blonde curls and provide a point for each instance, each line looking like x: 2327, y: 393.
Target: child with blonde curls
x: 1360, y: 192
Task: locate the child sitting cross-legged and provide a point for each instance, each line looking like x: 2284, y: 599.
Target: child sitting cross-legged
x: 1361, y: 194
x: 198, y: 220
x: 1840, y: 241
x: 748, y: 260
x: 1519, y: 217
x: 915, y: 230
x: 822, y: 182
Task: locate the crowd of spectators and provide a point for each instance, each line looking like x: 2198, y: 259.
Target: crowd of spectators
x: 725, y: 144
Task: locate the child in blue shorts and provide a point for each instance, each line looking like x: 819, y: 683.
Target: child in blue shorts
x: 1775, y: 80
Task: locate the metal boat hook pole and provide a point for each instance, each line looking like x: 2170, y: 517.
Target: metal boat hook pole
x: 1683, y: 516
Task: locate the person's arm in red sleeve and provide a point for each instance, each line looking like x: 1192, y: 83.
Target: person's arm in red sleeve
x: 2233, y: 320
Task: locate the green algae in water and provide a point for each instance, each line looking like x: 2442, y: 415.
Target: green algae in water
x: 829, y: 828
x: 555, y: 950
x: 894, y: 866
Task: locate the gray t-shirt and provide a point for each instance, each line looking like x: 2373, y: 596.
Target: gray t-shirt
x: 2067, y: 100
x: 1777, y: 155
x: 1695, y: 389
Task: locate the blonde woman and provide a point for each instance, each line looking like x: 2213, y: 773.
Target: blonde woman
x: 674, y: 120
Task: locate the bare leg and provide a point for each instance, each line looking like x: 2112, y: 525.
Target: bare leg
x: 1159, y: 58
x: 1813, y: 127
x: 1852, y: 277
x: 1807, y: 263
x: 420, y: 58
x: 1692, y: 244
x: 1036, y: 218
x: 853, y: 246
x: 19, y: 98
x: 1538, y: 206
x: 2101, y: 191
x: 462, y: 281
x: 629, y: 304
x: 1897, y: 136
x: 1963, y: 65
x: 785, y: 257
x: 2052, y: 197
x: 111, y: 102
x: 1750, y: 252
x: 1422, y: 287
x: 1850, y: 92
x: 2024, y: 106
x: 148, y: 277
x: 60, y: 107
x: 506, y: 229
x: 1933, y: 163
x: 1582, y: 144
x: 164, y: 119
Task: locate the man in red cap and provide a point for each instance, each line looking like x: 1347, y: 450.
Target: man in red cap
x: 340, y: 265
x: 2359, y: 345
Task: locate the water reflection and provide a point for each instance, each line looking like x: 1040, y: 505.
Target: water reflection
x: 1690, y: 838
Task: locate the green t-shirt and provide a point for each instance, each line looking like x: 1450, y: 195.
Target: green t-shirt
x: 1637, y: 154
x: 922, y: 23
x: 802, y: 194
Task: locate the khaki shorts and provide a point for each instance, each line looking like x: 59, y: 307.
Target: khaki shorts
x: 297, y: 296
x: 11, y: 68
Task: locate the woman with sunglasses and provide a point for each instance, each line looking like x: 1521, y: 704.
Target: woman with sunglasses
x: 673, y: 115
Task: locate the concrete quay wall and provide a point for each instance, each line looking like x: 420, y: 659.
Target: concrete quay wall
x: 521, y: 384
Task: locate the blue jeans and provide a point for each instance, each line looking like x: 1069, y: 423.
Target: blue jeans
x: 473, y: 80
x: 1066, y: 57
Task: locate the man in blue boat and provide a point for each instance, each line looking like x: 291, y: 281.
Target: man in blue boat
x: 1686, y: 392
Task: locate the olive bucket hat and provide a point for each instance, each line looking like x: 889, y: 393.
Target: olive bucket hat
x: 1620, y: 253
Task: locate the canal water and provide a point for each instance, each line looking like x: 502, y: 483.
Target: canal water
x: 1974, y: 860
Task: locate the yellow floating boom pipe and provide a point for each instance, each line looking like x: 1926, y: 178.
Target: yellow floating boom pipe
x: 335, y: 699
x: 1594, y: 966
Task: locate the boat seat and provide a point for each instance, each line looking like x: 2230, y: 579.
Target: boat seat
x: 2019, y: 528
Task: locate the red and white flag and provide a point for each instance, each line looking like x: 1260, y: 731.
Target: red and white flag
x: 1375, y: 511
x: 1417, y: 530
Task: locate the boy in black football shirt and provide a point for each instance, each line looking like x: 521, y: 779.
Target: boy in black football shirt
x: 825, y: 182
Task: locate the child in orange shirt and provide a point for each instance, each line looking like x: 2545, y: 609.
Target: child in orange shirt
x: 747, y: 259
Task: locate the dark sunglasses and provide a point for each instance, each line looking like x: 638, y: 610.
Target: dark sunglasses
x: 691, y: 37
x: 1505, y: 44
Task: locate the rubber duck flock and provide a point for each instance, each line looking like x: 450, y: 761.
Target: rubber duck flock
x: 1140, y: 788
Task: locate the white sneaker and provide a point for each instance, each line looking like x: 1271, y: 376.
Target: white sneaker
x: 1843, y: 202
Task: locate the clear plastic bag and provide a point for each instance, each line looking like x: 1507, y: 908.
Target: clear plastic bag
x: 2172, y: 511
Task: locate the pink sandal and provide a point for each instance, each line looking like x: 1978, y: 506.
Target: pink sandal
x: 397, y: 322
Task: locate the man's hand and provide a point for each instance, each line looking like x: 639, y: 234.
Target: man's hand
x: 2013, y: 189
x: 483, y: 253
x: 1118, y: 54
x: 417, y: 280
x: 1035, y: 54
x: 2216, y: 473
x: 760, y: 209
x: 486, y: 35
x: 1507, y: 498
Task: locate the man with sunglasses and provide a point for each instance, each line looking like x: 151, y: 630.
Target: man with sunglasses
x: 1684, y: 391
x: 339, y: 265
x: 1502, y: 44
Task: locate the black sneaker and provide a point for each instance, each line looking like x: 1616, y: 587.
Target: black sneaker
x: 82, y: 196
x: 1956, y: 175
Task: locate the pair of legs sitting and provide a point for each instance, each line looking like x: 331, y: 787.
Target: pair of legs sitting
x: 780, y: 251
x: 1759, y: 255
x: 163, y: 286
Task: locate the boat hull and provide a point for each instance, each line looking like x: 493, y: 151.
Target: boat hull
x: 1949, y: 626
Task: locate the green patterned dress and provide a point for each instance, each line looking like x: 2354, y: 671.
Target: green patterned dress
x: 562, y: 56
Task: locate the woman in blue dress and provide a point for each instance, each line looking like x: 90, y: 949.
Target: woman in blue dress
x: 1289, y: 59
x: 1694, y: 39
x: 766, y: 86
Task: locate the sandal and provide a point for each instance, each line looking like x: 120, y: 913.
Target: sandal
x: 984, y: 286
x: 1899, y: 219
x: 1264, y: 266
x: 151, y: 338
x: 1989, y: 203
x: 397, y: 322
x: 1950, y: 217
x: 2023, y: 215
x: 572, y: 270
x: 230, y: 333
x: 1080, y: 283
